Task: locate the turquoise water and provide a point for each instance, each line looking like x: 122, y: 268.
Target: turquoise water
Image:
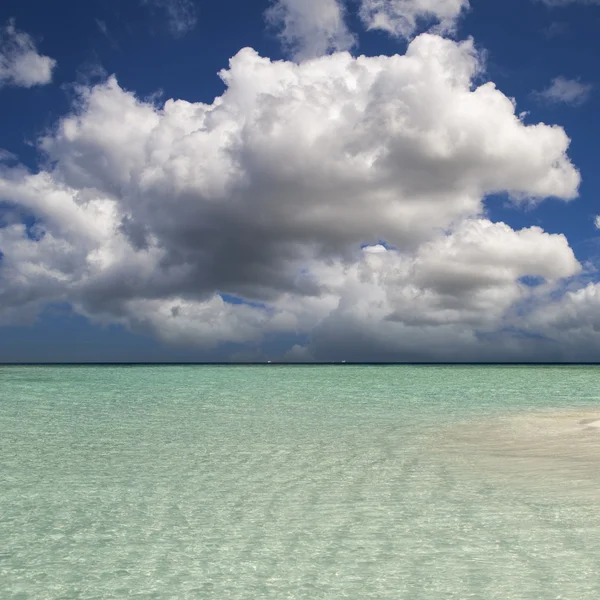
x: 299, y: 482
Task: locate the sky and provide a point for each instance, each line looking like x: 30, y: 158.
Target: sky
x: 299, y: 180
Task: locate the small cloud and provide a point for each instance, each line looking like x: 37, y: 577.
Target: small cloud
x: 557, y: 3
x: 402, y: 18
x: 91, y: 72
x: 556, y: 29
x: 565, y: 91
x: 20, y: 63
x: 597, y: 221
x: 155, y: 97
x: 7, y: 156
x: 103, y: 28
x: 181, y: 14
x: 310, y: 28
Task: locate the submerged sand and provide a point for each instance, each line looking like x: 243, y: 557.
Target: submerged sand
x: 554, y: 450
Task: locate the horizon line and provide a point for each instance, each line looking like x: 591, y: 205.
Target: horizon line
x: 288, y: 364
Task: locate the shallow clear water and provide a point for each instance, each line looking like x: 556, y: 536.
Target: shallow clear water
x: 300, y: 482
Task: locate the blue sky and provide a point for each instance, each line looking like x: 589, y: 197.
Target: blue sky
x: 173, y: 49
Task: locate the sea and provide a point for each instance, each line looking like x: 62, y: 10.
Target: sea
x: 300, y: 482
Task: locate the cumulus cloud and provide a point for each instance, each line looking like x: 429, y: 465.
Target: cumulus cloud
x: 181, y: 14
x: 401, y: 18
x: 310, y: 28
x: 566, y: 91
x: 571, y: 324
x: 339, y: 198
x: 448, y: 300
x: 20, y: 63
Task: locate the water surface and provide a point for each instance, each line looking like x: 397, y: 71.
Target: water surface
x: 299, y: 482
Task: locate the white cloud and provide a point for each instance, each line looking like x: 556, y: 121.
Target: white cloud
x: 556, y: 29
x: 401, y: 18
x: 597, y: 221
x: 310, y: 28
x: 571, y: 324
x: 443, y: 300
x: 553, y: 3
x: 566, y: 91
x: 20, y: 63
x: 146, y: 215
x: 103, y: 29
x: 181, y: 14
x: 6, y: 156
